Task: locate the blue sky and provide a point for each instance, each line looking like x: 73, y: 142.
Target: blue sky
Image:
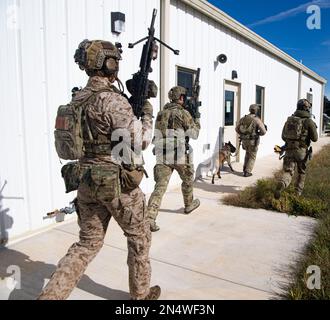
x: 284, y: 23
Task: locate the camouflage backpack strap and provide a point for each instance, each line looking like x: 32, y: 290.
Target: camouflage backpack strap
x: 170, y: 121
x: 84, y: 120
x: 304, y: 134
x: 174, y: 121
x: 95, y: 145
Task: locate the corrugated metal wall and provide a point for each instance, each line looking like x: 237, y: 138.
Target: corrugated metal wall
x: 201, y: 40
x: 39, y: 38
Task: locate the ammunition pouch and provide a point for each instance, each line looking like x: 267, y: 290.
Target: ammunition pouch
x: 131, y: 177
x: 71, y: 174
x: 104, y: 181
x: 245, y: 137
x: 98, y: 149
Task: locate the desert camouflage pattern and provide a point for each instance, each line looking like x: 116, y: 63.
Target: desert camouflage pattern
x: 296, y: 154
x: 111, y: 115
x: 172, y: 123
x: 251, y: 144
x: 100, y: 197
x: 162, y: 176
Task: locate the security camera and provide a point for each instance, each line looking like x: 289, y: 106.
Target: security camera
x: 222, y: 58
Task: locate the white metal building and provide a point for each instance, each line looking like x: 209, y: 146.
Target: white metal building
x: 38, y: 40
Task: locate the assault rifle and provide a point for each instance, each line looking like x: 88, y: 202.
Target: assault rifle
x: 310, y: 153
x: 65, y: 211
x: 193, y: 104
x: 139, y: 86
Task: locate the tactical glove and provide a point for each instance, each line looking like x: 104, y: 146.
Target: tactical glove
x: 147, y: 109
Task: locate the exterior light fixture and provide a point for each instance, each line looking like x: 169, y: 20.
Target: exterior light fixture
x: 117, y: 22
x: 234, y: 75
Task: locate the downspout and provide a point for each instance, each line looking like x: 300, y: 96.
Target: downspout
x: 165, y: 6
x: 299, y: 84
x: 322, y: 109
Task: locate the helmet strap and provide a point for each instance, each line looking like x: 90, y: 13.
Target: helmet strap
x: 120, y: 85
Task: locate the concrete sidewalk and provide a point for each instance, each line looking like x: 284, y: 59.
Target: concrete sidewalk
x: 218, y: 252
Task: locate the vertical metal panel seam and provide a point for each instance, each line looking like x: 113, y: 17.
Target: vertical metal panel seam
x: 101, y: 5
x: 103, y: 17
x: 300, y: 75
x: 86, y: 20
x: 67, y: 46
x: 46, y: 97
x: 22, y: 104
x: 164, y: 55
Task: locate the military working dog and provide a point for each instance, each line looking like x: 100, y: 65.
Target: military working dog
x: 215, y: 163
x: 220, y: 158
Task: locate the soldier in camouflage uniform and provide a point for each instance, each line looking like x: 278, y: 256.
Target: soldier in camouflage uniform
x: 298, y: 132
x: 250, y: 128
x: 173, y: 125
x: 101, y: 194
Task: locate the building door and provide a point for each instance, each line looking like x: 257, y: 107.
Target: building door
x: 231, y: 112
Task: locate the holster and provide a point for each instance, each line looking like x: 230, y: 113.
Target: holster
x: 71, y: 174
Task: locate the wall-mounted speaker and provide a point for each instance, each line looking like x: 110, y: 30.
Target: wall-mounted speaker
x: 222, y: 58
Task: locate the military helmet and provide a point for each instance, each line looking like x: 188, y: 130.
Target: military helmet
x: 176, y: 92
x: 304, y: 105
x: 254, y: 108
x: 92, y: 55
x: 152, y: 88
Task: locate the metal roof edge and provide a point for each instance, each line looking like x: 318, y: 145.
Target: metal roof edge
x: 221, y: 17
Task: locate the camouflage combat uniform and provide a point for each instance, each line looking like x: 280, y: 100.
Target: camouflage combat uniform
x: 172, y: 124
x: 250, y: 143
x: 296, y: 153
x: 101, y: 196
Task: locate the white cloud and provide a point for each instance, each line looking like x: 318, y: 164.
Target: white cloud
x: 326, y: 43
x: 323, y: 4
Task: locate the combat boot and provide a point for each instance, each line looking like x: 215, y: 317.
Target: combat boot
x: 153, y: 226
x: 247, y: 174
x: 279, y: 188
x: 154, y: 293
x: 194, y: 205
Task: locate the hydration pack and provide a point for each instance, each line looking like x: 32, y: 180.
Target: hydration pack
x: 69, y: 140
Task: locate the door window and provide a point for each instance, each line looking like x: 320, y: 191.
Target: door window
x: 229, y: 108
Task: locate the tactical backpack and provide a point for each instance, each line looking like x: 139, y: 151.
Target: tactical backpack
x: 294, y: 129
x: 69, y: 141
x: 247, y: 127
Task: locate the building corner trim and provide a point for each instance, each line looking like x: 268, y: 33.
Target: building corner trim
x: 322, y: 109
x: 164, y: 57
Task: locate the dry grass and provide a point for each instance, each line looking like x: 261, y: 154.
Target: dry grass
x: 315, y: 202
